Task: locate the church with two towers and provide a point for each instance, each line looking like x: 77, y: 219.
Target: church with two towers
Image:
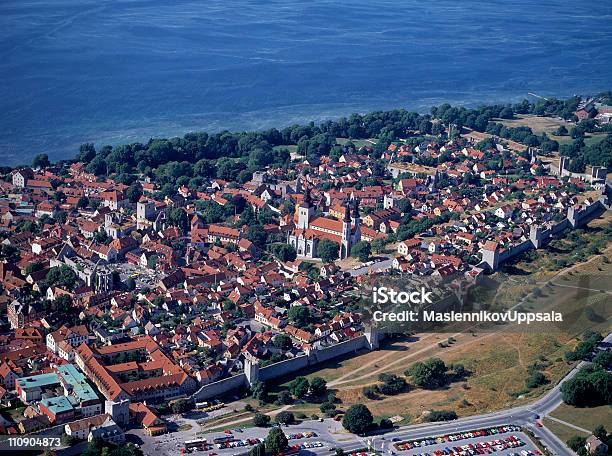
x: 310, y: 229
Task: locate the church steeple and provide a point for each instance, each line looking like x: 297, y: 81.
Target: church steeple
x: 356, y: 210
x: 347, y: 212
x: 307, y: 198
x: 305, y: 211
x: 346, y: 243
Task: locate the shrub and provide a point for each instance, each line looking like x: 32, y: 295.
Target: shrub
x: 536, y: 379
x: 357, y: 419
x: 441, y: 415
x: 385, y: 423
x: 261, y: 420
x: 285, y: 417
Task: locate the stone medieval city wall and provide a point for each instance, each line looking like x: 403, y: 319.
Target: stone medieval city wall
x: 220, y: 387
x: 281, y: 368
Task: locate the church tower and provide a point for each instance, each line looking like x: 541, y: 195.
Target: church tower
x: 345, y: 248
x: 356, y: 221
x: 305, y: 211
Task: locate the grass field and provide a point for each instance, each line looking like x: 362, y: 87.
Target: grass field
x: 589, y: 140
x: 498, y: 372
x: 538, y: 124
x: 359, y: 143
x: 587, y: 417
x: 561, y: 430
x: 291, y: 147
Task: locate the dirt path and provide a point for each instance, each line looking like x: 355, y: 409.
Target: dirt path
x: 341, y: 379
x: 383, y: 369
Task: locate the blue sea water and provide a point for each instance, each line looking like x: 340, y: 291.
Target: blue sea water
x: 108, y: 72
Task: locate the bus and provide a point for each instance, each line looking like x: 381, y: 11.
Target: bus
x: 195, y: 443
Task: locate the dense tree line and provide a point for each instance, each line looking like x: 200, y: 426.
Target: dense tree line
x: 592, y: 386
x: 236, y: 155
x: 598, y: 154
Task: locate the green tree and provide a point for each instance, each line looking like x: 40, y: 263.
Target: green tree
x: 378, y: 244
x: 591, y: 386
x: 87, y: 152
x: 61, y: 276
x: 601, y: 433
x: 41, y: 161
x: 259, y: 391
x: 261, y: 420
x: 284, y: 417
x: 130, y: 284
x: 276, y: 441
x: 441, y: 415
x: 9, y: 252
x: 299, y: 315
x: 576, y: 443
x: 284, y: 252
x: 603, y: 359
x: 299, y: 387
x: 178, y: 217
x: 386, y: 423
x: 328, y: 408
x: 392, y: 384
x: 318, y: 387
x: 282, y: 341
x: 362, y: 250
x: 258, y: 450
x: 430, y: 374
x: 284, y: 398
x: 357, y: 419
x: 536, y: 379
x: 328, y: 250
x: 134, y: 192
x: 257, y: 235
x: 33, y: 267
x: 181, y: 406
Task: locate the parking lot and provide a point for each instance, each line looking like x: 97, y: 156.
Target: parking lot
x: 502, y: 440
x: 241, y: 441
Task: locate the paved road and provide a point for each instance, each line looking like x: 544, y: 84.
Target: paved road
x: 378, y: 266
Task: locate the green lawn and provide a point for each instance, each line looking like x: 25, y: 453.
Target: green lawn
x: 592, y: 138
x: 562, y: 431
x: 359, y: 143
x: 585, y: 417
x: 292, y: 148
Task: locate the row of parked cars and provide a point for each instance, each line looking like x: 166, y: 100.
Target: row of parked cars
x: 487, y: 447
x: 408, y: 444
x: 239, y: 443
x: 311, y: 445
x: 295, y: 449
x: 301, y: 435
